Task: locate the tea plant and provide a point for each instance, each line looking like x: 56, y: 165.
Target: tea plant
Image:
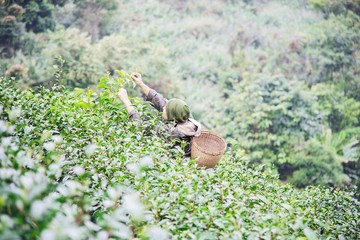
x: 71, y: 170
x: 210, y: 55
x: 112, y: 85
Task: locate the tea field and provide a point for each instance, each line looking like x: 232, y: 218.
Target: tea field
x: 74, y: 166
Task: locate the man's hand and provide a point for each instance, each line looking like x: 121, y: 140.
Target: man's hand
x: 137, y: 78
x: 125, y: 100
x: 124, y: 96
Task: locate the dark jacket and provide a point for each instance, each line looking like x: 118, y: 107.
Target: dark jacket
x: 184, y: 131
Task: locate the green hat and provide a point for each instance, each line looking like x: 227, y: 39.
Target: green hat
x: 177, y: 110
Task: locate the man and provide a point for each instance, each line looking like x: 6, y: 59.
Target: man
x: 176, y: 112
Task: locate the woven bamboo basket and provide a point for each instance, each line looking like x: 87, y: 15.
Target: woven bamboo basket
x: 208, y: 148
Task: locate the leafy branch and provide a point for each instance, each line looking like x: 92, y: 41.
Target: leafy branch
x: 59, y: 72
x: 113, y: 85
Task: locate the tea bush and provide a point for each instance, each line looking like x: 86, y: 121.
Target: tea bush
x: 208, y: 54
x: 74, y: 166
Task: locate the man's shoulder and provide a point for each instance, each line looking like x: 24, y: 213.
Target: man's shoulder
x: 188, y: 128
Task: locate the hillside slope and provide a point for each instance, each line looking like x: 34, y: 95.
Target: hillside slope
x: 73, y: 165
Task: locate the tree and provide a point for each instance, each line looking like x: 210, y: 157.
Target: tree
x: 10, y: 29
x: 92, y: 14
x: 333, y: 52
x: 320, y: 160
x: 269, y: 115
x: 36, y: 16
x: 39, y: 15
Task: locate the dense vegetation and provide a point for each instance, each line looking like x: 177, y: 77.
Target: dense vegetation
x: 278, y: 79
x: 282, y: 89
x: 73, y: 165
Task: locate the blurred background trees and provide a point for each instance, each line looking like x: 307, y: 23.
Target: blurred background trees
x: 279, y: 79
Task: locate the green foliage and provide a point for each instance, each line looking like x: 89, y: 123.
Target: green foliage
x: 84, y: 62
x: 10, y: 29
x: 321, y: 160
x: 282, y: 124
x: 82, y: 170
x: 10, y: 32
x: 317, y: 164
x: 92, y: 15
x: 70, y: 170
x: 39, y: 15
x: 264, y: 114
x: 336, y: 7
x: 342, y: 112
x: 59, y: 71
x: 333, y: 52
x: 110, y: 84
x: 223, y: 59
x: 106, y: 4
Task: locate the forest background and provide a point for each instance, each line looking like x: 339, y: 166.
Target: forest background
x: 278, y: 79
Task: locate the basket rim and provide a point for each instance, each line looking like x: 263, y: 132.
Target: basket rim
x: 205, y: 151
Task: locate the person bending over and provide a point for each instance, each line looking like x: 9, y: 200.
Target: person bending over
x: 180, y: 124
